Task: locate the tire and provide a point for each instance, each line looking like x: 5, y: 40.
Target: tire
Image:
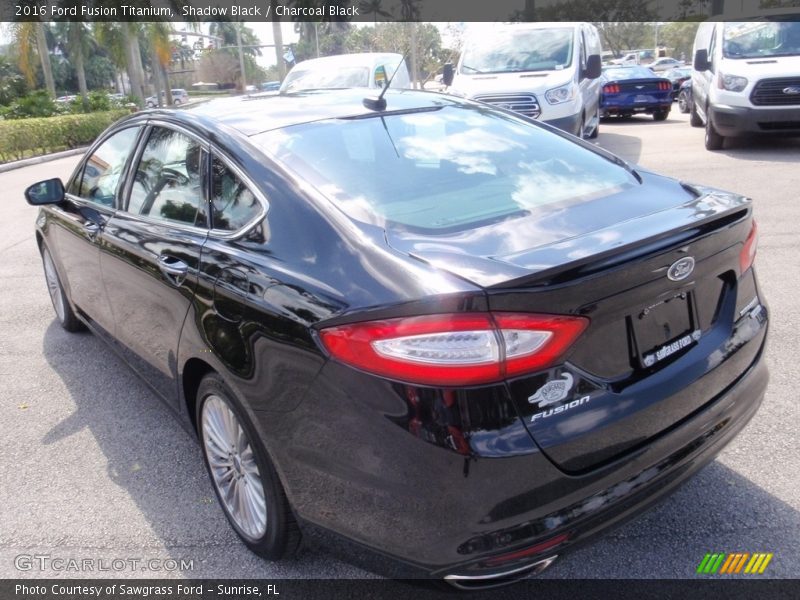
x: 660, y: 115
x: 683, y: 105
x: 714, y: 141
x: 694, y: 118
x: 64, y: 313
x: 176, y: 102
x: 228, y: 440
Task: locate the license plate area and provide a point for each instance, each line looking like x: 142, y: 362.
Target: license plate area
x: 663, y: 329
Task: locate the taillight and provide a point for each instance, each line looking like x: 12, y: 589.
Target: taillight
x: 454, y: 349
x: 664, y: 85
x: 611, y: 88
x: 748, y: 254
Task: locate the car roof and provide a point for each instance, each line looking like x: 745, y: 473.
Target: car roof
x: 257, y: 113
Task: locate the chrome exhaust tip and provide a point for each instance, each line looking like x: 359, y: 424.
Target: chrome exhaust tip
x: 500, y: 578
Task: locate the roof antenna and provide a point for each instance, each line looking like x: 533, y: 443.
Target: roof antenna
x: 379, y: 103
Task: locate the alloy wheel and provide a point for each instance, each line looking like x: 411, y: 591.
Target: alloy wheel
x: 233, y: 467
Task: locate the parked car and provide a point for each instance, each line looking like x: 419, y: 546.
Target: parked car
x: 664, y: 64
x: 627, y: 60
x: 746, y: 79
x: 677, y: 76
x: 66, y: 99
x: 179, y: 96
x: 545, y: 71
x: 365, y: 69
x: 271, y: 86
x: 434, y: 314
x: 632, y: 90
x: 685, y: 98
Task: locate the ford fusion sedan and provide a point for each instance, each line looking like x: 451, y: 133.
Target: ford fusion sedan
x: 628, y: 91
x: 444, y: 340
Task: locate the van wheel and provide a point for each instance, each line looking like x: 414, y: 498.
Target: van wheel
x: 694, y: 118
x: 245, y: 481
x: 714, y: 140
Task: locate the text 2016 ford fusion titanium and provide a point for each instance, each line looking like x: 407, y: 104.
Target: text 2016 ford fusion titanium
x: 448, y: 340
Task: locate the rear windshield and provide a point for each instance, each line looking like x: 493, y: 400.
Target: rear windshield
x: 455, y: 167
x: 326, y: 76
x: 617, y: 73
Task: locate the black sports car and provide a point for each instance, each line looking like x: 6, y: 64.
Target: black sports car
x: 631, y: 90
x: 450, y: 340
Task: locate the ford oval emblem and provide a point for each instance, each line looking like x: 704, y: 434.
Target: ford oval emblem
x: 681, y: 269
x: 793, y: 89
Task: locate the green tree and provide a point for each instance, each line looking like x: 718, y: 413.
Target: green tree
x: 12, y: 83
x: 619, y: 36
x: 679, y: 37
x: 29, y: 40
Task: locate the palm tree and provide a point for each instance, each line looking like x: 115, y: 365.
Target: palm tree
x: 277, y: 36
x: 160, y: 56
x: 122, y: 42
x: 30, y: 38
x: 75, y: 40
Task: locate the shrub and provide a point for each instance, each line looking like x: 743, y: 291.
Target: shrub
x: 35, y: 104
x: 21, y: 138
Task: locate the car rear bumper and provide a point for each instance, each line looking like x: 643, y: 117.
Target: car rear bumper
x: 629, y: 108
x: 733, y: 121
x: 405, y: 508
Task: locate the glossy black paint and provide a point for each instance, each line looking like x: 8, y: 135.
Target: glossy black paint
x: 423, y: 481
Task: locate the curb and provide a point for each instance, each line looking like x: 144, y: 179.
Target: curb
x: 35, y: 160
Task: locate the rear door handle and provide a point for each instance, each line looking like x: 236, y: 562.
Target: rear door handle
x: 172, y: 266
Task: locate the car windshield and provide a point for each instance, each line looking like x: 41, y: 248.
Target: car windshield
x: 523, y: 50
x: 757, y: 39
x: 617, y: 73
x: 451, y: 168
x: 326, y: 77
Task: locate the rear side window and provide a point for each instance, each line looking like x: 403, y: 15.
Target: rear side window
x: 446, y: 169
x: 103, y: 169
x: 169, y: 180
x: 233, y: 204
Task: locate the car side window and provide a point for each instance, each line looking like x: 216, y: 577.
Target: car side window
x: 169, y: 183
x: 233, y: 204
x: 103, y: 169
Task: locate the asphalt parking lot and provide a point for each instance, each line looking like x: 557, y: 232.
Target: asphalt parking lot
x: 94, y: 467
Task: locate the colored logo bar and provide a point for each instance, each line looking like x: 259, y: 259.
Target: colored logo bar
x: 720, y: 563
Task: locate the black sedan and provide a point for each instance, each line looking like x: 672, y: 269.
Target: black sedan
x: 632, y: 90
x: 452, y: 341
x: 677, y: 76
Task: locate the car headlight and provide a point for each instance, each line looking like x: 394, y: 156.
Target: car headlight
x: 558, y: 95
x: 732, y: 83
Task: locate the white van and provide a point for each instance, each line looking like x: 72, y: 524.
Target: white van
x: 366, y: 69
x: 746, y: 79
x: 546, y: 71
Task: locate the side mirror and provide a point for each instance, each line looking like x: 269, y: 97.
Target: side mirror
x: 701, y: 60
x: 447, y: 74
x: 594, y: 66
x: 50, y: 191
